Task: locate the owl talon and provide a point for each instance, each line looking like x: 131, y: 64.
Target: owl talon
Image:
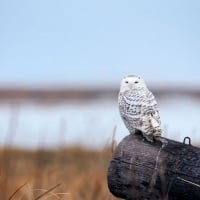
x: 150, y: 140
x: 147, y: 138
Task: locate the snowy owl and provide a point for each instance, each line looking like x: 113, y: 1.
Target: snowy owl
x: 138, y: 108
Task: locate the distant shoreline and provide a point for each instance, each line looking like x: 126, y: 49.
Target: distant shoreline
x: 63, y: 94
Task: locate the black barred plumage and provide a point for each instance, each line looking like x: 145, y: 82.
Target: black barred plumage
x: 138, y: 108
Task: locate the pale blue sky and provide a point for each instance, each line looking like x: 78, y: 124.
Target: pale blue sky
x: 73, y: 42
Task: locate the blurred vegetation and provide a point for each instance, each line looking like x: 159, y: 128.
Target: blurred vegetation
x: 72, y: 173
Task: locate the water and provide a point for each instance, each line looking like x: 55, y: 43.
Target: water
x: 89, y: 124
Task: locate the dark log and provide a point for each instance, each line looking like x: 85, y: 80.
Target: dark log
x: 134, y: 173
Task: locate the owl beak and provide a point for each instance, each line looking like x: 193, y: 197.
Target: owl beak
x: 131, y: 85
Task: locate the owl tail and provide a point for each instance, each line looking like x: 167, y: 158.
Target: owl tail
x: 156, y: 126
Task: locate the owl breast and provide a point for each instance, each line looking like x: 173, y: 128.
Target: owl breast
x: 130, y: 107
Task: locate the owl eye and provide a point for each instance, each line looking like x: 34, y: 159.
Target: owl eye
x: 136, y: 82
x: 126, y: 81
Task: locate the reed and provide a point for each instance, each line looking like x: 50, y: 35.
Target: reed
x: 69, y: 173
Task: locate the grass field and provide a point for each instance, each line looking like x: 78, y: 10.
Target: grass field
x: 74, y: 174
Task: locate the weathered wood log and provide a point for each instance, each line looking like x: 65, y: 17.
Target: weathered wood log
x: 143, y: 170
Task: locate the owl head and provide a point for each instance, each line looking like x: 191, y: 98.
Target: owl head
x: 132, y: 82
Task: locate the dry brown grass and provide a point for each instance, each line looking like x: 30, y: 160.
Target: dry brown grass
x: 71, y: 174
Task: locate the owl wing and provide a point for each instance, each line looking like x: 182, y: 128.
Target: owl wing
x: 151, y: 108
